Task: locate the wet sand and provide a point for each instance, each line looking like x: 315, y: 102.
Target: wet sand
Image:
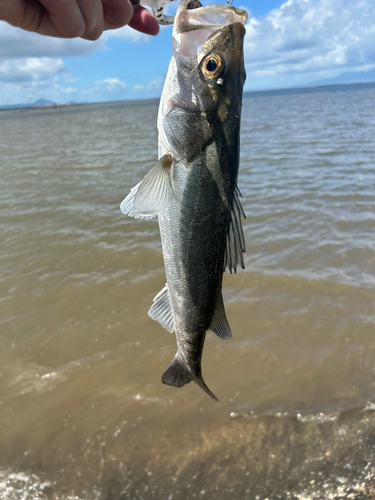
x: 248, y: 457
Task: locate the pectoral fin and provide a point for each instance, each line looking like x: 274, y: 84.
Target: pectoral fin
x: 152, y: 195
x: 235, y: 246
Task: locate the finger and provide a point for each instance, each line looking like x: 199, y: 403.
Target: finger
x: 20, y: 14
x: 72, y: 18
x: 92, y: 11
x: 62, y: 18
x: 47, y: 17
x: 117, y: 13
x: 144, y: 21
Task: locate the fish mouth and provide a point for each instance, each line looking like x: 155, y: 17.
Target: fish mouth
x: 174, y: 108
x: 213, y: 18
x: 195, y: 24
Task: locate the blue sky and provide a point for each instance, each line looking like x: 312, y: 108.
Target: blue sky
x: 288, y: 44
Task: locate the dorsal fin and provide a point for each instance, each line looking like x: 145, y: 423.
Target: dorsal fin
x: 235, y: 244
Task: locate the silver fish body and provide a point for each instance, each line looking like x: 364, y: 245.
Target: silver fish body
x: 193, y: 186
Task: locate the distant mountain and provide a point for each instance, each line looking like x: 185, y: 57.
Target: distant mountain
x: 347, y: 78
x: 15, y: 106
x: 41, y: 103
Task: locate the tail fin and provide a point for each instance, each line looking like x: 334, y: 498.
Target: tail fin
x: 177, y: 374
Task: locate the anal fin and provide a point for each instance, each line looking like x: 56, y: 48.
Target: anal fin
x: 161, y: 310
x: 219, y: 324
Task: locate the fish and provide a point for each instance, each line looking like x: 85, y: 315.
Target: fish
x: 192, y: 188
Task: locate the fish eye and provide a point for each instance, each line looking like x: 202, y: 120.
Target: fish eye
x: 212, y: 66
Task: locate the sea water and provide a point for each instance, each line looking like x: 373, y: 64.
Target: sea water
x: 83, y: 412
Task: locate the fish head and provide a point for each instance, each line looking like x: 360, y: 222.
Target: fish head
x: 203, y: 89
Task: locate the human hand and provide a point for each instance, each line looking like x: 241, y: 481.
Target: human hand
x: 76, y: 18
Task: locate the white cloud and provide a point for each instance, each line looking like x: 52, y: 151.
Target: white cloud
x: 29, y: 69
x: 30, y: 91
x: 15, y: 42
x: 301, y: 42
x: 24, y: 80
x: 110, y: 85
x: 126, y: 33
x: 155, y: 84
x: 31, y: 66
x: 308, y: 40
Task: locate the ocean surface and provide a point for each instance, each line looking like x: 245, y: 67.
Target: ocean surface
x: 83, y: 412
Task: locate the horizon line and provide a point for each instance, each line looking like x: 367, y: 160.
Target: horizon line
x: 33, y: 106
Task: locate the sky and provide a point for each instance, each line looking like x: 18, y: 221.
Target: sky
x: 287, y: 44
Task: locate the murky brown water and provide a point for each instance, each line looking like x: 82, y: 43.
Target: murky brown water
x: 83, y: 412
